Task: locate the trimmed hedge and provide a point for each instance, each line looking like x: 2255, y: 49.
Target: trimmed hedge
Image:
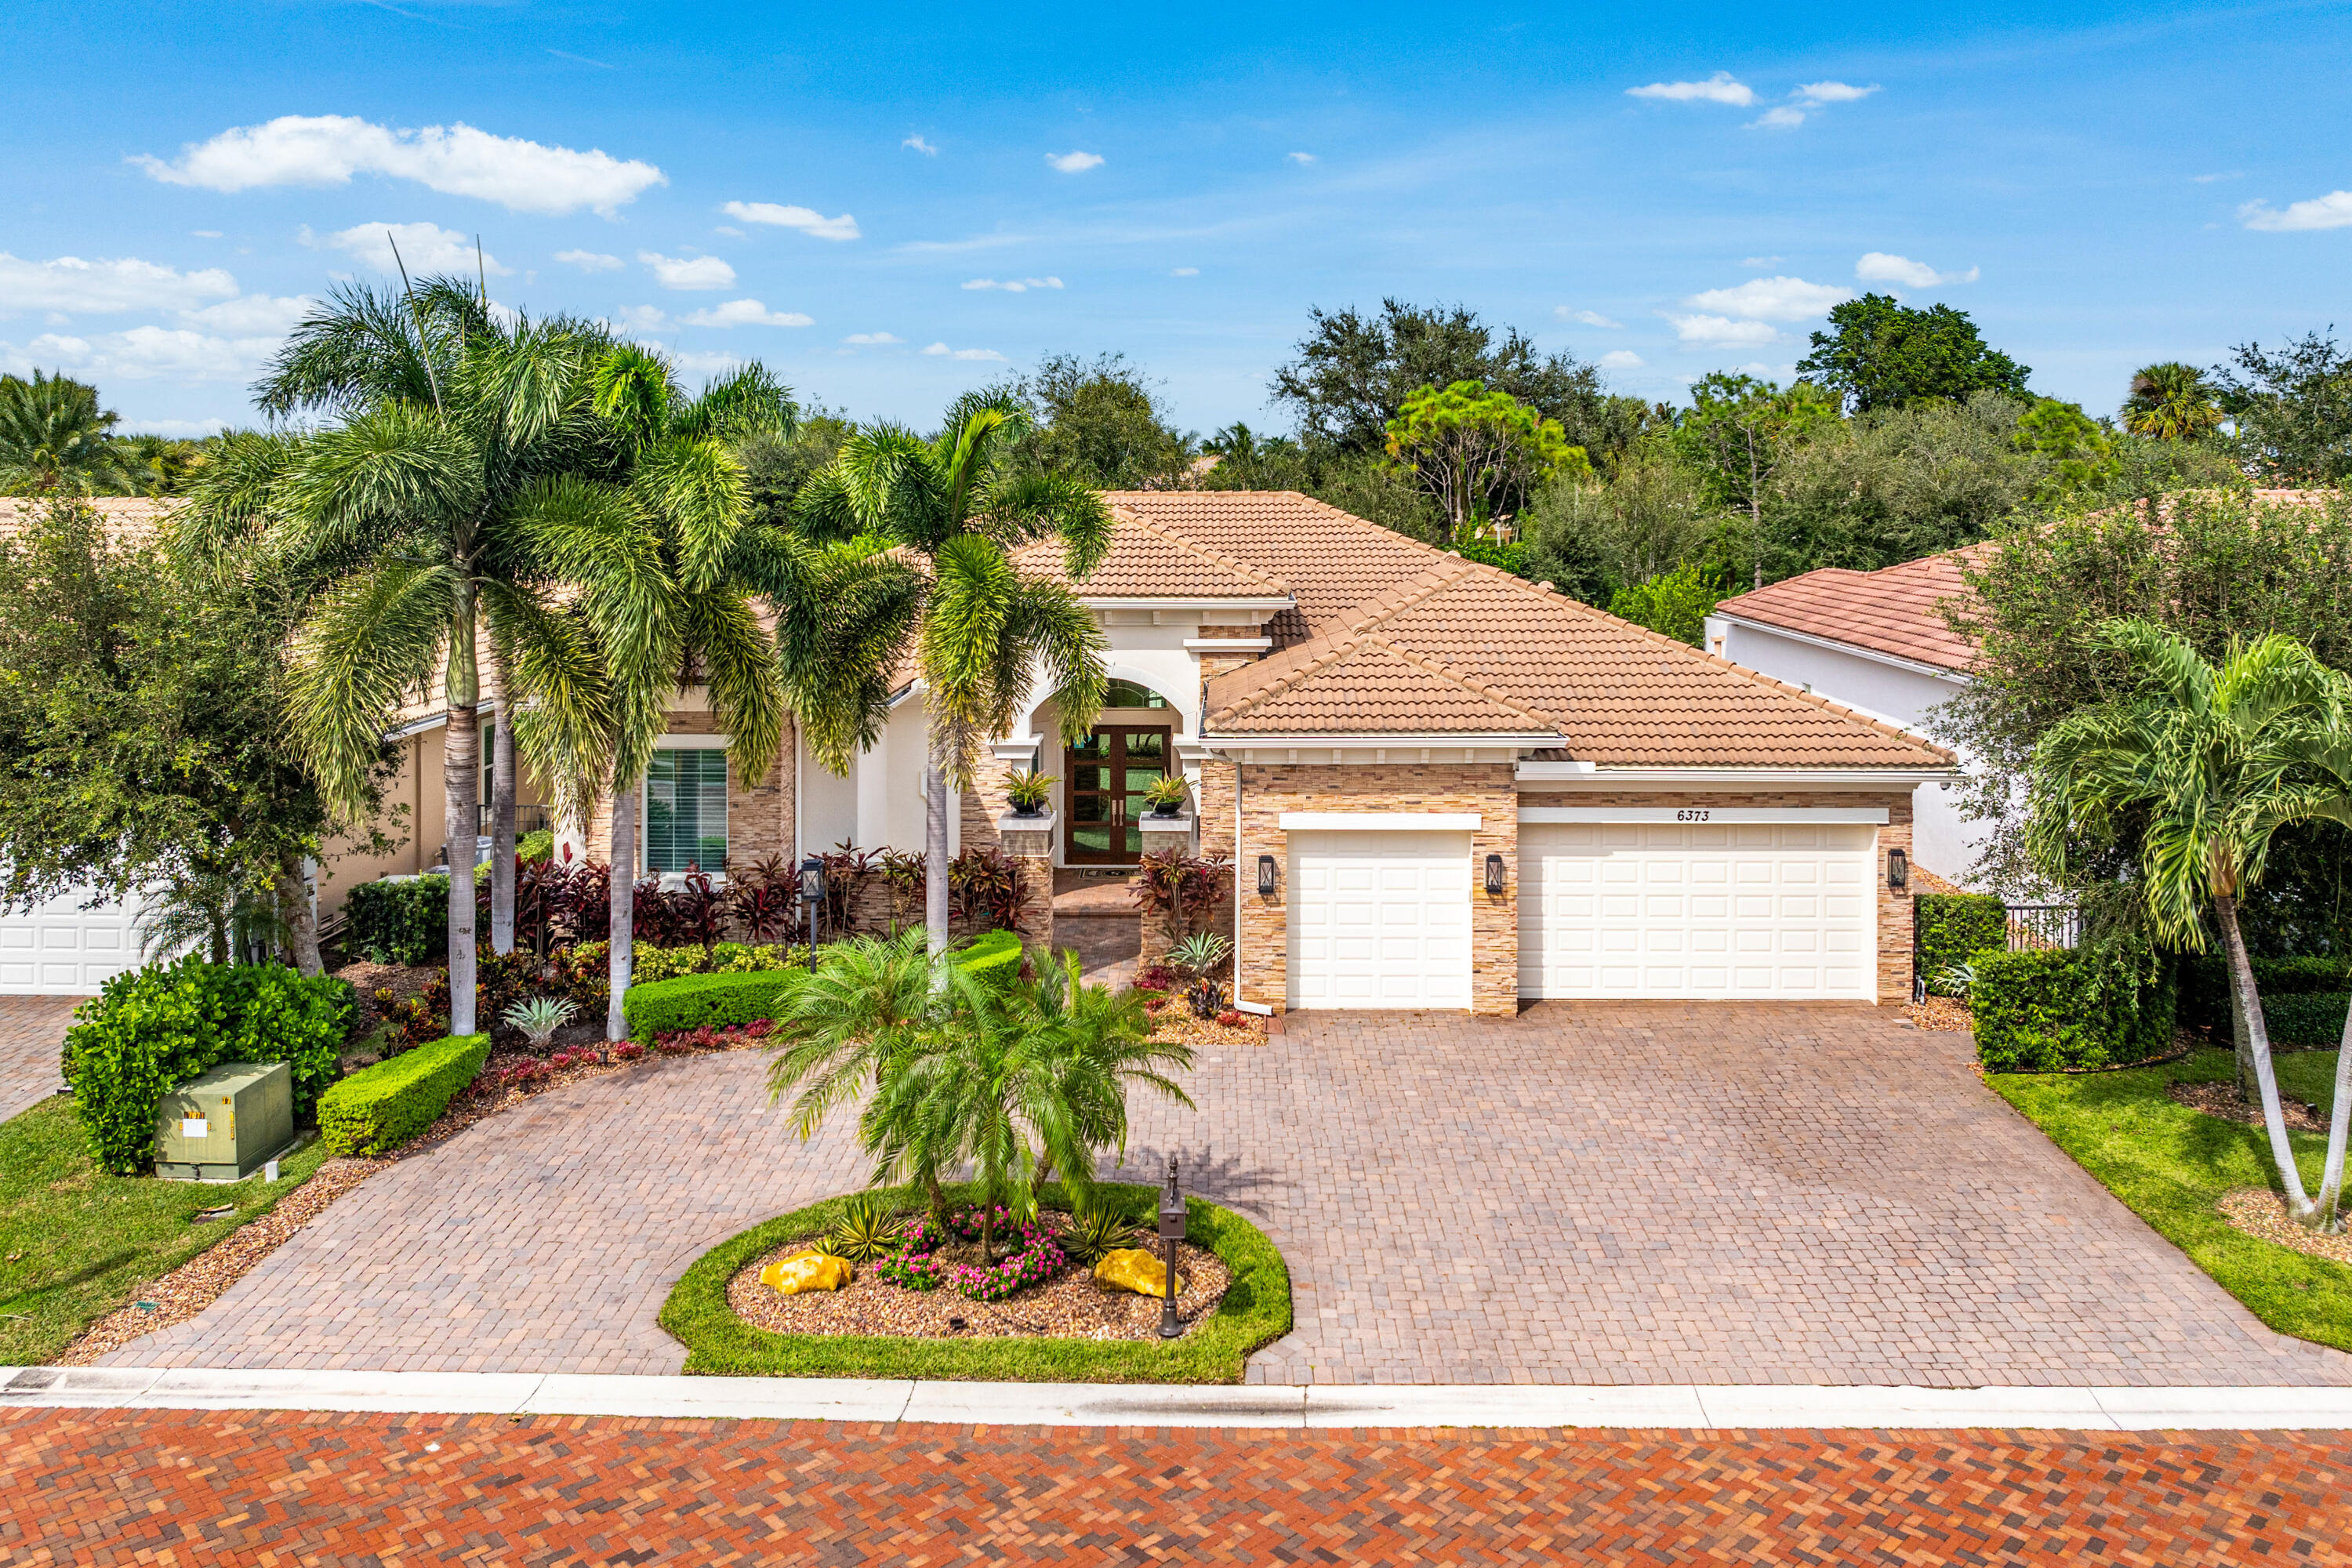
x: 2049, y: 1009
x: 993, y: 957
x: 2205, y: 984
x: 2307, y: 1017
x: 153, y: 1029
x: 648, y: 964
x: 692, y: 1001
x: 404, y: 921
x: 376, y: 1111
x: 1255, y: 1311
x: 1953, y: 929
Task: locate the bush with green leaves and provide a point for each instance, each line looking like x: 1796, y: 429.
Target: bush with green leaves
x: 2205, y: 984
x: 2307, y: 1019
x: 1953, y: 929
x: 2051, y: 1009
x: 535, y: 845
x: 153, y: 1029
x: 376, y: 1111
x: 694, y: 1001
x: 403, y: 920
x: 1096, y: 1228
x: 993, y: 956
x: 866, y: 1230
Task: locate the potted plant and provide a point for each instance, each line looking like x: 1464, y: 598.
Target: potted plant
x: 1166, y: 798
x: 1029, y: 793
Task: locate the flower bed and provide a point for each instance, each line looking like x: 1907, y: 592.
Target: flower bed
x: 919, y: 1265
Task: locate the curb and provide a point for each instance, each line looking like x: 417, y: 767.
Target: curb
x: 1320, y: 1406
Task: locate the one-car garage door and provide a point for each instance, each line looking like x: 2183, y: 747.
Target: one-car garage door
x: 61, y: 949
x: 1380, y: 919
x: 1661, y: 909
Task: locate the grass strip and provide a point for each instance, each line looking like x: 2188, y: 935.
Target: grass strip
x: 1255, y: 1311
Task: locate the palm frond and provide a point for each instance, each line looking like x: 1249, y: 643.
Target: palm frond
x: 746, y: 402
x: 370, y: 643
x: 746, y: 689
x: 695, y: 488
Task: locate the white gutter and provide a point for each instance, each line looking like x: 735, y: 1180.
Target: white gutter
x: 1237, y: 602
x: 1917, y: 667
x: 1598, y: 776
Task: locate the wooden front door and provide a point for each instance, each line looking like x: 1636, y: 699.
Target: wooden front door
x: 1108, y: 772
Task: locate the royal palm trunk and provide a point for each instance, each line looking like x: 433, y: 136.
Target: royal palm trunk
x: 461, y: 816
x: 502, y: 818
x: 935, y: 856
x: 2257, y: 1045
x: 625, y: 882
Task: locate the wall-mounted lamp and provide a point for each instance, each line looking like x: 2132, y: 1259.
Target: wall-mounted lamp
x: 1265, y: 876
x: 1898, y: 870
x: 1494, y: 875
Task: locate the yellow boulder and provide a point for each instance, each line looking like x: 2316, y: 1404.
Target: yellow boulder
x: 810, y: 1270
x: 1136, y: 1269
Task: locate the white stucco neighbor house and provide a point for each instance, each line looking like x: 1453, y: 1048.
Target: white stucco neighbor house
x: 1878, y: 643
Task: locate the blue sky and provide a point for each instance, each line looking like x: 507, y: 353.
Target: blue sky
x: 888, y: 205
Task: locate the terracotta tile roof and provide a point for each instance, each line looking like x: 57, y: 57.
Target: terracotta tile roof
x: 1897, y: 609
x: 131, y: 520
x: 1465, y: 647
x: 1147, y: 561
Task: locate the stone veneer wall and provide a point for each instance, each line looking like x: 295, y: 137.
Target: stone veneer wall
x: 1895, y: 911
x: 759, y: 814
x: 1486, y: 788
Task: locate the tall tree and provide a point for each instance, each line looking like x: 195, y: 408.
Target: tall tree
x: 1353, y: 371
x: 1098, y: 421
x: 981, y: 630
x: 1477, y: 454
x: 2293, y: 409
x: 54, y: 436
x: 2322, y: 792
x: 2197, y: 765
x: 2171, y: 402
x: 1879, y: 354
x: 1740, y: 429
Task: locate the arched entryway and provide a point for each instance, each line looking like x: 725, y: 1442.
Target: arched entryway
x: 1107, y: 773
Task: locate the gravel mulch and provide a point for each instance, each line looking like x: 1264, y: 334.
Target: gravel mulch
x: 199, y: 1283
x: 2259, y: 1212
x: 1070, y: 1306
x: 1939, y: 1013
x: 1175, y: 1022
x: 2221, y: 1100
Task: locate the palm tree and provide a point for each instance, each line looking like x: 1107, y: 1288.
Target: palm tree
x: 465, y: 493
x: 982, y: 630
x: 2172, y: 402
x: 2198, y: 766
x: 1103, y: 1041
x: 54, y: 436
x: 872, y: 1002
x: 2323, y: 759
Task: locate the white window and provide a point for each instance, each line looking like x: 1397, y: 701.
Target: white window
x: 686, y: 810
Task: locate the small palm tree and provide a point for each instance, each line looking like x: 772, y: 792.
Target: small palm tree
x: 2324, y: 794
x: 2172, y: 402
x: 54, y: 436
x: 1104, y: 1043
x: 2198, y: 766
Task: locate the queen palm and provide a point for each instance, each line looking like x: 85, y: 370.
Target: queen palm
x: 2323, y: 793
x: 952, y: 508
x: 2172, y: 402
x: 2199, y: 766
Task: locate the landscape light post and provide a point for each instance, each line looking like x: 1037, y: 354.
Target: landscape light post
x: 1172, y: 1231
x: 812, y: 899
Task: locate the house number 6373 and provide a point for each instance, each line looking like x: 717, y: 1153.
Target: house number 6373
x: 1688, y: 816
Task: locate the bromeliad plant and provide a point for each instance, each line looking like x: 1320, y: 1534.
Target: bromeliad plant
x: 1028, y: 792
x: 866, y: 1231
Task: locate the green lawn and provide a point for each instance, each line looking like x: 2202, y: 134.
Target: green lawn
x: 76, y: 1243
x: 2170, y: 1164
x: 1255, y: 1311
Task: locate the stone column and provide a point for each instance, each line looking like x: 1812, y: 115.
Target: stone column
x: 1160, y: 933
x: 1029, y: 840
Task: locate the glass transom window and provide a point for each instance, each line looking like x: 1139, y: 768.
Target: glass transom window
x: 686, y: 811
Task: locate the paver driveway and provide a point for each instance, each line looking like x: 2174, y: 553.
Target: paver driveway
x: 32, y: 1031
x: 1630, y: 1192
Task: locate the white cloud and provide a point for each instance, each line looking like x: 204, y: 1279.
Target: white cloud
x: 1300, y: 157
x: 728, y: 229
x: 708, y: 361
x: 202, y: 234
x: 688, y: 271
x: 805, y: 219
x: 641, y: 318
x: 1772, y: 298
x: 746, y: 313
x: 178, y: 429
x: 872, y: 338
x: 144, y: 354
x: 1589, y: 318
x: 69, y: 283
x: 943, y: 352
x: 590, y: 260
x: 1622, y: 359
x: 424, y: 247
x: 1183, y: 272
x: 1878, y: 266
x: 254, y: 315
x: 1721, y: 332
x: 1779, y: 118
x: 1075, y: 163
x: 1834, y: 93
x: 1760, y: 260
x: 2208, y: 179
x: 456, y: 160
x: 1014, y: 285
x: 2332, y: 210
x: 919, y: 145
x: 1720, y: 87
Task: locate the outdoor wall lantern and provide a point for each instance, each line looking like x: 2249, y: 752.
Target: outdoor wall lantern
x: 1898, y: 870
x: 1494, y: 875
x: 1265, y: 876
x: 812, y: 899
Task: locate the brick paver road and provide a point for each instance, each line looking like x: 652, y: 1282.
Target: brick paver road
x: 1652, y: 1192
x: 123, y: 1486
x: 32, y: 1031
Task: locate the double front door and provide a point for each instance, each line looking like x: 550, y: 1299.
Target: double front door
x: 1108, y: 772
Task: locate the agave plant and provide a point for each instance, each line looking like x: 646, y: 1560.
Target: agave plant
x: 1958, y: 980
x: 1201, y: 952
x: 1094, y: 1230
x: 539, y: 1018
x: 865, y: 1231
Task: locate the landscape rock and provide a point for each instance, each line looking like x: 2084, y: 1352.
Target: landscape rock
x: 1136, y: 1269
x: 810, y: 1270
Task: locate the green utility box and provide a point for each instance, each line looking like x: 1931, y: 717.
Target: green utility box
x: 225, y: 1125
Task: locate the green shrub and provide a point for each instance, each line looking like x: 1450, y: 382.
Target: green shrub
x: 535, y: 847
x: 2205, y: 984
x: 404, y: 921
x: 2048, y: 1009
x: 376, y: 1111
x: 2306, y: 1017
x: 993, y: 957
x: 153, y: 1029
x: 692, y: 1001
x: 1953, y: 929
x: 651, y: 963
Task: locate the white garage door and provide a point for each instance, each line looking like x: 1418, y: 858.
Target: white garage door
x: 1380, y: 919
x: 63, y: 949
x: 1764, y: 910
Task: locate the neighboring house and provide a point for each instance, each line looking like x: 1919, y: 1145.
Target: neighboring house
x: 1877, y: 642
